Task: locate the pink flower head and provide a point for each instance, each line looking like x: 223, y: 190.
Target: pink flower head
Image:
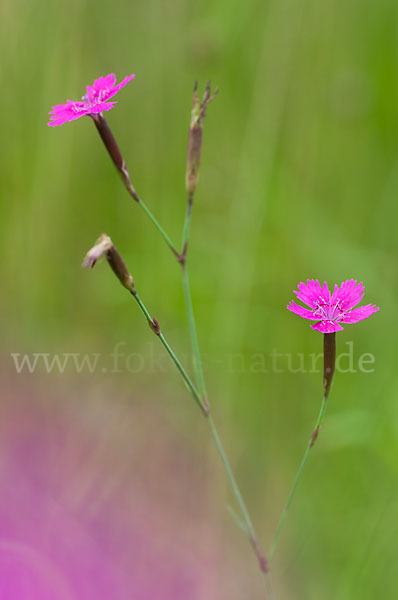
x: 93, y: 102
x: 331, y: 309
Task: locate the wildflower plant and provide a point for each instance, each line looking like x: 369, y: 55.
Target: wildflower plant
x: 93, y: 104
x: 329, y: 310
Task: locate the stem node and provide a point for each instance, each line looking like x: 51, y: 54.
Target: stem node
x: 154, y: 325
x: 262, y: 561
x: 314, y: 436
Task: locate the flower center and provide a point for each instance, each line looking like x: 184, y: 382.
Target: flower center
x: 96, y: 96
x: 78, y: 107
x: 327, y: 311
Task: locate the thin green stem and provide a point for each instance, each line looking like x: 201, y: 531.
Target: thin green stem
x: 119, y: 162
x: 155, y: 327
x: 238, y: 519
x: 197, y: 360
x: 199, y: 396
x: 220, y: 449
x: 297, y: 478
x: 187, y: 225
x: 198, y: 399
x: 235, y: 488
x: 221, y: 452
x: 246, y: 524
x: 231, y: 477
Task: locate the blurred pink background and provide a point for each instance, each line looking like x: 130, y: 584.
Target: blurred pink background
x: 102, y: 497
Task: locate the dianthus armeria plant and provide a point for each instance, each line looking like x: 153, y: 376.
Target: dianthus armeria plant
x: 93, y: 104
x: 329, y: 311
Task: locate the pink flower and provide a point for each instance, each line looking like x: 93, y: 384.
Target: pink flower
x: 93, y: 102
x: 331, y: 309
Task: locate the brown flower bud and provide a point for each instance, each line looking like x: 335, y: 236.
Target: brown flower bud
x: 104, y: 246
x: 193, y: 159
x: 195, y: 137
x: 114, y: 152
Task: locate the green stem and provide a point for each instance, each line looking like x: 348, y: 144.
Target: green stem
x: 155, y: 327
x: 119, y: 162
x: 197, y: 360
x: 199, y: 396
x: 220, y: 449
x: 228, y: 470
x: 298, y: 476
x: 187, y: 226
x: 247, y: 526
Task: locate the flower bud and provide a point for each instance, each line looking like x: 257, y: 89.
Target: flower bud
x: 104, y: 246
x: 195, y: 137
x: 114, y: 152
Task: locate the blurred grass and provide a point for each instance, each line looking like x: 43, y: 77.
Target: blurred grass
x: 299, y: 179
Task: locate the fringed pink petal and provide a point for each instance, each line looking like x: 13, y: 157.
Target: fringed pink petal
x: 72, y: 107
x: 60, y: 120
x: 99, y: 108
x: 348, y: 295
x: 62, y: 113
x: 104, y: 88
x: 100, y: 88
x: 312, y: 293
x: 325, y: 292
x: 327, y: 326
x: 358, y: 314
x: 109, y: 80
x: 119, y: 86
x: 302, y: 312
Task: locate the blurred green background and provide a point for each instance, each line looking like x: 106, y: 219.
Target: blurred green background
x: 299, y: 179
